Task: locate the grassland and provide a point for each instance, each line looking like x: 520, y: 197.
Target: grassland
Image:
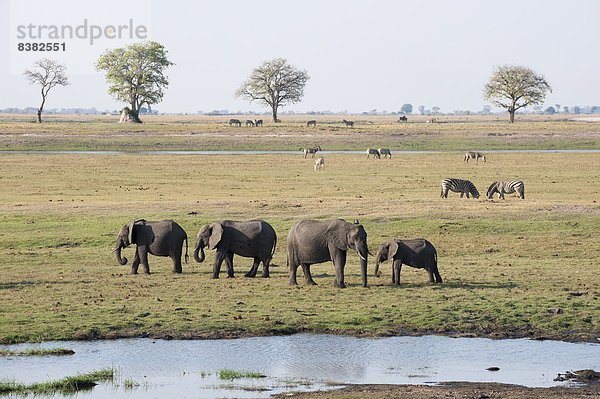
x: 511, y: 268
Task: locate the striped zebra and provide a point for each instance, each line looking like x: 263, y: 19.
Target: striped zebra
x: 474, y: 155
x: 374, y: 152
x: 385, y: 152
x: 311, y: 151
x: 506, y: 187
x: 458, y: 186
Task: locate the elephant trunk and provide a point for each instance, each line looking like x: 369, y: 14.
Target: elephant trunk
x: 363, y: 266
x: 122, y: 260
x: 199, y: 249
x: 377, y: 272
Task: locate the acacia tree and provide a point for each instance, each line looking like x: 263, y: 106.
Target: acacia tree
x: 48, y: 74
x: 514, y: 87
x: 136, y: 75
x: 275, y: 84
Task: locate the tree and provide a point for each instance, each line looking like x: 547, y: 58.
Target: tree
x: 274, y: 84
x: 407, y: 109
x: 514, y: 87
x: 422, y: 109
x: 48, y: 74
x: 136, y: 75
x: 550, y: 110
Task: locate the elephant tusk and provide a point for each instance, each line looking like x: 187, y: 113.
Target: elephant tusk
x: 362, y: 257
x: 115, y: 250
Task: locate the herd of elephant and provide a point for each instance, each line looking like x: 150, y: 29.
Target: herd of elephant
x: 308, y: 242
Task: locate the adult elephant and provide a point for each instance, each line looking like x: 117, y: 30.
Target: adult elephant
x: 161, y: 238
x: 253, y: 239
x: 312, y: 241
x: 417, y: 253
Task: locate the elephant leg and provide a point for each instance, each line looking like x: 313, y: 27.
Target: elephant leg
x: 307, y: 276
x: 266, y: 264
x: 254, y: 268
x: 339, y: 261
x: 397, y: 266
x: 143, y: 252
x: 438, y: 278
x: 176, y: 258
x: 293, y: 272
x: 136, y: 263
x: 219, y: 258
x: 229, y: 263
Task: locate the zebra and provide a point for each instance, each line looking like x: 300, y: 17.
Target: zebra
x: 474, y: 155
x: 385, y: 152
x: 458, y: 186
x: 403, y: 118
x: 319, y: 163
x: 348, y: 123
x: 258, y: 122
x: 235, y: 122
x: 311, y: 151
x: 249, y: 122
x: 374, y: 152
x: 506, y: 187
x: 312, y: 123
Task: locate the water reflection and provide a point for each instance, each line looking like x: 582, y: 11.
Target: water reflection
x: 188, y: 368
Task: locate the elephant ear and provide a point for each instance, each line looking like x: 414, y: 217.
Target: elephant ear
x: 392, y: 249
x: 338, y: 236
x: 130, y: 226
x: 215, y: 235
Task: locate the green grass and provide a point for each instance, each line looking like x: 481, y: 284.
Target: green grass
x: 67, y: 385
x: 511, y: 268
x: 228, y: 374
x: 37, y: 352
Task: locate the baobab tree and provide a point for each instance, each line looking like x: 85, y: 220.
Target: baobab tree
x: 274, y: 84
x: 515, y: 87
x: 48, y: 74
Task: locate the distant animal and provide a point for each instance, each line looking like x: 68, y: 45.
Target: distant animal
x: 458, y: 186
x: 249, y: 122
x: 348, y: 123
x: 253, y: 239
x: 312, y: 123
x: 474, y: 155
x: 374, y: 152
x: 432, y: 120
x: 319, y: 163
x: 258, y: 122
x: 403, y: 118
x: 506, y: 187
x: 417, y: 253
x: 385, y: 152
x: 311, y: 151
x: 161, y: 238
x: 235, y: 122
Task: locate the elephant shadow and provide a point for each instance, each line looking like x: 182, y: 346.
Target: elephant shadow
x: 453, y: 285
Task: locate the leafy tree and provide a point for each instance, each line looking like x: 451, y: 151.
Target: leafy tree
x: 48, y: 74
x: 550, y: 111
x: 136, y: 75
x: 514, y: 87
x: 422, y: 109
x: 274, y: 84
x: 407, y: 109
x: 435, y: 110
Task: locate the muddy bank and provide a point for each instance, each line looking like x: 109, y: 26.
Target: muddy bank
x: 454, y: 390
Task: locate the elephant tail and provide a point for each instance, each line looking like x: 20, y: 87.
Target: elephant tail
x: 274, y: 247
x: 186, y: 250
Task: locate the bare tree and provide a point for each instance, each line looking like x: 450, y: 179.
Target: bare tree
x: 275, y: 84
x: 514, y: 87
x: 48, y: 74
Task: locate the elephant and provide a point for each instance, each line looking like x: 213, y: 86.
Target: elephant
x: 161, y: 238
x: 417, y: 253
x: 252, y: 239
x: 312, y: 241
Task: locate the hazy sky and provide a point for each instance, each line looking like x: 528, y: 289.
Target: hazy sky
x: 360, y: 54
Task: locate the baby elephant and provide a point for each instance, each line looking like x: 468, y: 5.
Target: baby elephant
x: 162, y: 238
x: 417, y: 253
